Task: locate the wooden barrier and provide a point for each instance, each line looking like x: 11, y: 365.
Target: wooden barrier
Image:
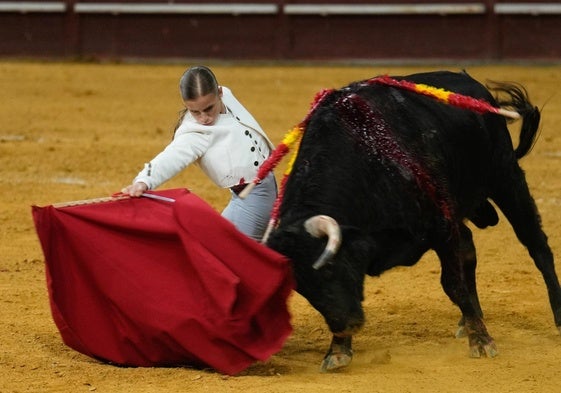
x: 303, y: 30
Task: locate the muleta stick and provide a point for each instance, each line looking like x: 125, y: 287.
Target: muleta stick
x: 90, y: 201
x: 116, y: 197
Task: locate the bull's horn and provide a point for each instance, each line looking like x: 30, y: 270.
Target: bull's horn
x: 319, y: 226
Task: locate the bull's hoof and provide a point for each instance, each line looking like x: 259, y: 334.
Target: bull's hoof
x: 335, y: 361
x: 339, y: 355
x: 480, y: 342
x: 482, y: 347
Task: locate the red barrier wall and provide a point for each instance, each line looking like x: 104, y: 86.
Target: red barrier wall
x: 282, y: 30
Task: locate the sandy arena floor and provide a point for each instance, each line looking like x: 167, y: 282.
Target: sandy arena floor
x: 77, y: 131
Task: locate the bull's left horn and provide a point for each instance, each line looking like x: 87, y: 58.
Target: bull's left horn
x: 319, y: 226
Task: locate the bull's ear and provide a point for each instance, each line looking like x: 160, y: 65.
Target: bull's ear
x: 289, y: 239
x: 350, y: 231
x: 285, y: 237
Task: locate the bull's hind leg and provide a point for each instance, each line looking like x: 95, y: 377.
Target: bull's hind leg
x: 456, y: 287
x: 514, y: 199
x: 468, y: 257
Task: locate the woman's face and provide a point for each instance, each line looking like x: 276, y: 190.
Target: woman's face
x: 205, y: 109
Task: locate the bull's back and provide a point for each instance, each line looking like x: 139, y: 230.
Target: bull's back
x: 413, y: 142
x: 458, y: 82
x: 454, y: 146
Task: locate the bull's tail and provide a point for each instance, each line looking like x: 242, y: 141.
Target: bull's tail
x: 517, y: 100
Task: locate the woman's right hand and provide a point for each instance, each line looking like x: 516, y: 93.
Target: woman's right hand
x: 135, y: 189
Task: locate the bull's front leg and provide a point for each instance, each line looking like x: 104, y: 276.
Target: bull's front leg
x: 468, y: 256
x: 480, y: 342
x: 454, y: 284
x: 339, y: 355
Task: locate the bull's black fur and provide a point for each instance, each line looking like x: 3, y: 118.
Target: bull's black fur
x: 386, y: 216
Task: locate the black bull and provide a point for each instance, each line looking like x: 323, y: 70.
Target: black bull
x: 400, y: 173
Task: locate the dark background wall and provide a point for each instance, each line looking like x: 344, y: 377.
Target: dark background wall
x: 282, y: 30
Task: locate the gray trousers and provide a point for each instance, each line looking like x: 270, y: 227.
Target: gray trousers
x: 252, y: 214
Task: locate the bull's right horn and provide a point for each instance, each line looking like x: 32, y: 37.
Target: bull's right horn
x: 319, y: 226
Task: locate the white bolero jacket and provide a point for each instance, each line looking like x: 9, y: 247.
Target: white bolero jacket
x: 229, y: 152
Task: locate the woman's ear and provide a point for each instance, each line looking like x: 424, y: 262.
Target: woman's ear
x: 220, y: 91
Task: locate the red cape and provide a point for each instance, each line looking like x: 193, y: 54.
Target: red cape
x: 144, y: 282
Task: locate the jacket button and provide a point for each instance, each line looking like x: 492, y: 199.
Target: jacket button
x: 252, y: 148
x: 256, y: 163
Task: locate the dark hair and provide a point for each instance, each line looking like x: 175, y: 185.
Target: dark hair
x: 196, y: 82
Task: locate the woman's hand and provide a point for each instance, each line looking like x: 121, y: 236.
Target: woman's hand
x: 135, y: 190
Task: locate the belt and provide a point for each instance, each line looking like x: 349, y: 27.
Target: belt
x: 238, y: 188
